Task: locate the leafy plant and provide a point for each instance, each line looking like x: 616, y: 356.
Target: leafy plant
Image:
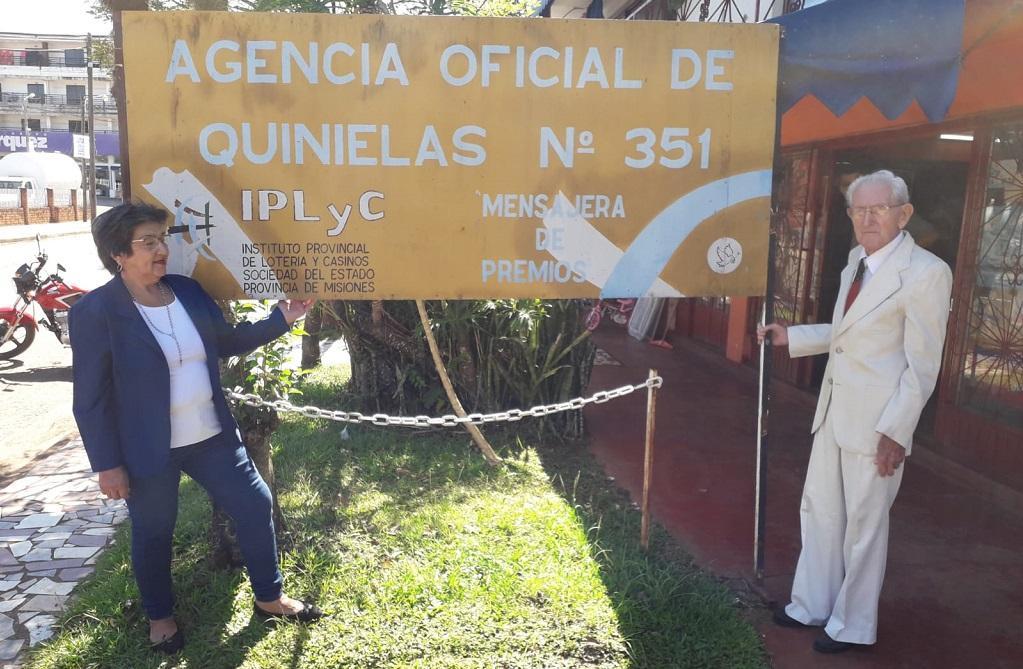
x: 517, y: 353
x: 494, y: 7
x: 500, y: 354
x: 263, y: 372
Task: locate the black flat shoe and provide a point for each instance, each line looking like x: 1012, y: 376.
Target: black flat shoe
x: 170, y: 645
x: 825, y: 644
x: 782, y: 619
x: 307, y: 614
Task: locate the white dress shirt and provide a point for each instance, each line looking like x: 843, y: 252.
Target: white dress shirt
x: 877, y: 258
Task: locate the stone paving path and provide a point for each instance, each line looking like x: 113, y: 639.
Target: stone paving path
x: 54, y: 522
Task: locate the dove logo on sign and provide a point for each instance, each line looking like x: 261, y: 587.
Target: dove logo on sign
x: 724, y: 255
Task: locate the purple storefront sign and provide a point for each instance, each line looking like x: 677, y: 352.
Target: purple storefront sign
x: 60, y: 141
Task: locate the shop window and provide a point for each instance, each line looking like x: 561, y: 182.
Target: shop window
x: 992, y: 373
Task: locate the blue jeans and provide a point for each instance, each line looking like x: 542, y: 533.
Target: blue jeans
x: 221, y: 466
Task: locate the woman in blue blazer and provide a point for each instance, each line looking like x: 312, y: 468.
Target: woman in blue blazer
x: 148, y: 404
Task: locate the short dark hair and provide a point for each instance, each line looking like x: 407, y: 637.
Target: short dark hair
x: 113, y: 230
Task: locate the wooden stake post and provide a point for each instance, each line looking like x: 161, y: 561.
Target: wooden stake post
x: 116, y: 7
x: 477, y: 436
x: 648, y: 461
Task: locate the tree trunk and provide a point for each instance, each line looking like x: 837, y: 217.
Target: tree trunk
x: 311, y: 340
x: 392, y: 371
x: 257, y: 425
x: 468, y: 377
x: 390, y: 365
x: 572, y: 424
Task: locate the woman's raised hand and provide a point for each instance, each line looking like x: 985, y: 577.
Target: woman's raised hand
x: 295, y: 309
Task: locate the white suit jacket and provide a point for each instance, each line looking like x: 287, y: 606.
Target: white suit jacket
x: 884, y: 354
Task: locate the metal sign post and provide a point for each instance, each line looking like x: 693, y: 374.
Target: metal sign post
x: 766, y: 360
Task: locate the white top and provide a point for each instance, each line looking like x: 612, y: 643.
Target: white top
x: 193, y: 416
x: 877, y: 258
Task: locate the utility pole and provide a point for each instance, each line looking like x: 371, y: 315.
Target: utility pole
x: 85, y: 171
x: 24, y: 119
x: 92, y: 130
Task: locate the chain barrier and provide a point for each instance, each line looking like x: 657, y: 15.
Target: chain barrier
x: 447, y: 420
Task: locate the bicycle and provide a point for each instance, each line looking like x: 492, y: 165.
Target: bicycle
x: 620, y: 311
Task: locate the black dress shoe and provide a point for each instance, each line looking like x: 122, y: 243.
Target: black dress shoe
x: 825, y: 644
x: 783, y: 619
x: 307, y: 614
x: 170, y: 645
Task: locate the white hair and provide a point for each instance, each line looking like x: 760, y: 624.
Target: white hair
x: 898, y: 188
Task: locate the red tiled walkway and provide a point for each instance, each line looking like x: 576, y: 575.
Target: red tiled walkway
x: 953, y: 595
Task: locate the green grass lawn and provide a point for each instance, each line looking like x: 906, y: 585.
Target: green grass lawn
x: 425, y: 557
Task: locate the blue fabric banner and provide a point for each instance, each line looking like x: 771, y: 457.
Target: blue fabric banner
x: 889, y: 51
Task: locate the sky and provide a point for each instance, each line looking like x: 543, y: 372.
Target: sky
x: 69, y: 17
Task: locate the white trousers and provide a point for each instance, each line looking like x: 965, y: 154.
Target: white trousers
x: 844, y: 529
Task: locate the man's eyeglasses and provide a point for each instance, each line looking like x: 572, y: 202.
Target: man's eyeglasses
x: 876, y: 210
x: 151, y: 242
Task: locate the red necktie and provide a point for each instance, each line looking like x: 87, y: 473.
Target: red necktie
x: 857, y: 283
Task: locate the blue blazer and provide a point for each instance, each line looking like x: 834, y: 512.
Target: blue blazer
x: 121, y: 379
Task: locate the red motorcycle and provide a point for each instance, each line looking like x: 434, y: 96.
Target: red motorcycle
x: 53, y: 295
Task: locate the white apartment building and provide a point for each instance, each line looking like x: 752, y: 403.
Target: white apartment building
x: 727, y: 11
x: 43, y: 88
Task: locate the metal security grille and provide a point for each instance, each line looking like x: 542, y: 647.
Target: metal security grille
x: 992, y: 372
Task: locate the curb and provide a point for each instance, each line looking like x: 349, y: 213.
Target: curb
x: 23, y: 234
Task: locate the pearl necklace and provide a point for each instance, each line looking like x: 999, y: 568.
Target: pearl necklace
x: 169, y: 297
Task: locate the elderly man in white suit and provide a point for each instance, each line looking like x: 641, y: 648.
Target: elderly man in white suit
x: 884, y: 346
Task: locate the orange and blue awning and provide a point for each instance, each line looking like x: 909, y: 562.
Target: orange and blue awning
x: 891, y: 52
x: 850, y: 67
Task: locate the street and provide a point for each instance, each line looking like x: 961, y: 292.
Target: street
x: 35, y: 392
x: 35, y: 388
x: 75, y: 252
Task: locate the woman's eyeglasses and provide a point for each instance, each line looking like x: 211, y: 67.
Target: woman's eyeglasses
x: 151, y: 242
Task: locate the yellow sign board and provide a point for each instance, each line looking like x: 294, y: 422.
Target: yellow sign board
x: 380, y: 157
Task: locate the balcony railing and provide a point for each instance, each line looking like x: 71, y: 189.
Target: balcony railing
x: 17, y: 128
x: 719, y: 11
x: 102, y: 104
x: 41, y: 58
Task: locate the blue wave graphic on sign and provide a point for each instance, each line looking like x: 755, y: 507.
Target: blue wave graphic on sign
x: 653, y: 247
